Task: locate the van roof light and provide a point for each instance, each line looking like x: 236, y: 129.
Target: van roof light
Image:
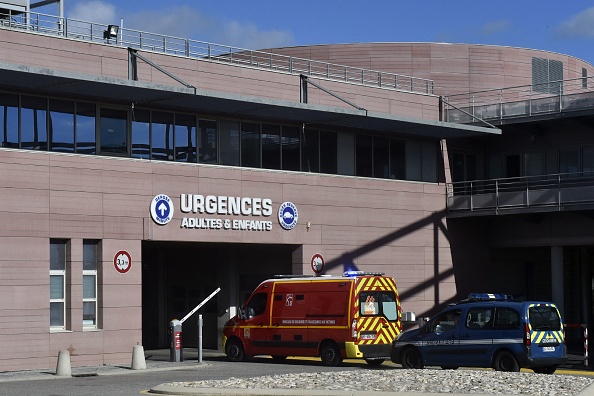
x: 362, y: 273
x: 489, y: 296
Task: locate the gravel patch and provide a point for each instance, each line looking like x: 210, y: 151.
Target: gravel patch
x: 432, y: 381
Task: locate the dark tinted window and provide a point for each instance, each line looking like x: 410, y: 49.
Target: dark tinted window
x: 480, y: 318
x: 507, y: 318
x: 543, y: 317
x: 257, y: 305
x: 444, y: 321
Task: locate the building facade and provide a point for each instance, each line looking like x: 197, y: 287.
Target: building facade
x: 141, y: 172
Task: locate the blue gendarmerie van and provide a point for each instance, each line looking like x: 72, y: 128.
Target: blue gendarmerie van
x: 487, y: 330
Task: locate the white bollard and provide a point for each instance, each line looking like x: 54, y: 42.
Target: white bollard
x: 138, y: 362
x: 63, y: 367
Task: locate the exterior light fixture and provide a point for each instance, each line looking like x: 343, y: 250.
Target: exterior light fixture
x: 111, y: 32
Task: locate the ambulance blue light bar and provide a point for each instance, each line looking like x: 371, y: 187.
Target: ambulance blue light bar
x: 489, y: 296
x: 362, y: 273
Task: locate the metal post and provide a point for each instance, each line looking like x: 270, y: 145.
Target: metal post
x: 199, y: 338
x: 175, y: 341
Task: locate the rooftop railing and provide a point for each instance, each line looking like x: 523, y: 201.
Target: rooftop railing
x: 94, y: 32
x: 546, y: 192
x: 495, y: 105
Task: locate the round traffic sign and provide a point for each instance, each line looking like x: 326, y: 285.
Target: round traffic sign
x: 122, y: 261
x: 317, y: 263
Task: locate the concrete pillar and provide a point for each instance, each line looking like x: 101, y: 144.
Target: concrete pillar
x: 557, y: 277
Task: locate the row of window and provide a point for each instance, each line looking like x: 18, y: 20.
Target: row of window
x: 40, y: 123
x: 60, y: 280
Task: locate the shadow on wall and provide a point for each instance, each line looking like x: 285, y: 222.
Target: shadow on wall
x: 463, y: 270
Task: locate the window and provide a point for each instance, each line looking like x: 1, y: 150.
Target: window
x: 290, y: 143
x: 310, y: 152
x: 569, y: 160
x: 58, y: 284
x: 584, y: 77
x: 364, y: 155
x: 61, y: 125
x: 544, y: 317
x: 185, y: 138
x: 444, y: 322
x: 90, y: 261
x: 534, y: 163
x: 9, y: 120
x: 378, y: 304
x: 162, y: 136
x: 506, y: 319
x: 250, y: 145
x: 271, y: 152
x: 113, y: 131
x: 328, y: 152
x: 229, y: 140
x: 141, y: 134
x: 381, y: 157
x: 397, y: 159
x: 33, y: 123
x: 207, y: 142
x: 479, y: 318
x: 257, y: 305
x: 85, y: 128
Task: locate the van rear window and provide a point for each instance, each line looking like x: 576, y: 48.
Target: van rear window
x: 378, y: 304
x: 543, y: 317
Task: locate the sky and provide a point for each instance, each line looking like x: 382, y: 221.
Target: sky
x: 564, y: 26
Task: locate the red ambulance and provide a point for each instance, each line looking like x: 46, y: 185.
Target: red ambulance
x: 356, y: 315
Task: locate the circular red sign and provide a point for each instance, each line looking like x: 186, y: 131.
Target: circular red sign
x: 122, y: 261
x: 317, y: 263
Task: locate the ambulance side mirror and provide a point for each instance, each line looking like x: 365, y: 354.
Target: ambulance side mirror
x: 408, y: 317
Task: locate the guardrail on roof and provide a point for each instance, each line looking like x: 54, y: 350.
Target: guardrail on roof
x: 527, y: 100
x: 94, y: 32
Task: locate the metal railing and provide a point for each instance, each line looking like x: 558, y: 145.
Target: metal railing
x: 94, y: 32
x: 546, y: 191
x: 521, y: 101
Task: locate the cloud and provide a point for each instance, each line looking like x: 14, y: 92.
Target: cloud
x: 494, y: 27
x: 580, y: 25
x: 246, y: 35
x: 95, y: 11
x: 186, y: 22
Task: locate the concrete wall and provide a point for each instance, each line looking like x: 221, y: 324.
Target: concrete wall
x: 455, y: 68
x: 379, y: 225
x: 93, y: 59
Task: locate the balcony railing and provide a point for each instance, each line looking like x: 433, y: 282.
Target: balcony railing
x: 534, y: 193
x: 94, y: 32
x: 522, y: 101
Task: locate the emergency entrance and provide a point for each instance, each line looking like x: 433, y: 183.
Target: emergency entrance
x: 177, y: 276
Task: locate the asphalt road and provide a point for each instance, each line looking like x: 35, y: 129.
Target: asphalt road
x: 134, y: 383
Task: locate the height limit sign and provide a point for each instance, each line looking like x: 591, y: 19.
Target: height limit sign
x: 122, y: 261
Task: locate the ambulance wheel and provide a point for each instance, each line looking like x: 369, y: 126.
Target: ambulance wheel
x: 330, y: 354
x: 506, y: 361
x: 374, y: 362
x: 411, y: 358
x: 234, y: 351
x: 545, y: 370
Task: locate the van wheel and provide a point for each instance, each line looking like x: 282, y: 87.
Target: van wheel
x: 506, y: 361
x: 411, y: 358
x: 545, y: 370
x: 330, y: 354
x: 234, y: 351
x: 374, y: 362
